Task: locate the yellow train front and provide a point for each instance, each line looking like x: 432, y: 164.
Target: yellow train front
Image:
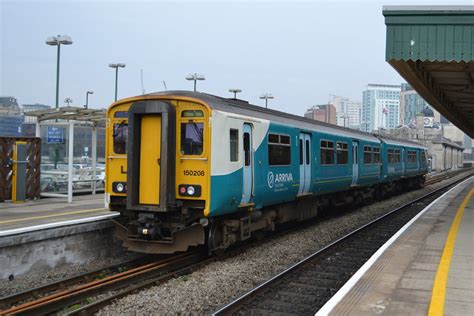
x: 157, y: 171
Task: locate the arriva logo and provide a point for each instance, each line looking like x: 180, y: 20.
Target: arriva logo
x: 278, y: 178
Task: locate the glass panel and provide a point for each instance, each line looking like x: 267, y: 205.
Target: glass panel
x: 273, y: 138
x: 247, y: 148
x: 192, y: 138
x: 284, y: 139
x: 120, y: 138
x: 121, y: 114
x: 279, y: 155
x: 301, y: 151
x: 234, y: 145
x: 307, y: 152
x: 192, y: 113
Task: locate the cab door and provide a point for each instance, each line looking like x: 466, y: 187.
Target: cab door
x: 150, y: 160
x: 248, y: 164
x: 305, y: 163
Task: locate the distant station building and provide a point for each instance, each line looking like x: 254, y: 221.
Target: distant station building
x: 380, y: 107
x: 323, y: 113
x: 11, y: 117
x: 29, y: 125
x: 412, y: 104
x: 347, y: 111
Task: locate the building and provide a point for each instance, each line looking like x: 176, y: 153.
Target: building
x: 11, y: 117
x: 323, y: 113
x: 380, y: 107
x: 347, y: 111
x: 411, y: 104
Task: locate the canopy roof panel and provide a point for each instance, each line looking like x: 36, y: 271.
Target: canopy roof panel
x: 432, y: 47
x: 94, y: 116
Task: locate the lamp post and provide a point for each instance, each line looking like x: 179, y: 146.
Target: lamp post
x: 57, y: 41
x: 235, y: 91
x: 87, y: 98
x: 267, y: 96
x: 116, y: 66
x: 195, y: 77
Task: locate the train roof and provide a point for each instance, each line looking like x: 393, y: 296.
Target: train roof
x: 243, y: 107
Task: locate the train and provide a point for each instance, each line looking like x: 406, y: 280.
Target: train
x: 189, y: 169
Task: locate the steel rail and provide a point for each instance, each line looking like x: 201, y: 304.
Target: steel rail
x: 236, y: 304
x: 64, y: 299
x: 43, y: 290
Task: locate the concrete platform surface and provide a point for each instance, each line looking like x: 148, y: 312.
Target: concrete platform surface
x: 18, y: 217
x: 427, y: 270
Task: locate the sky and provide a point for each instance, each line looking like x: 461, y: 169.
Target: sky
x: 300, y: 52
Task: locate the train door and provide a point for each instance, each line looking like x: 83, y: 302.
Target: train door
x: 403, y: 158
x: 355, y: 162
x: 150, y: 154
x: 305, y: 163
x: 248, y: 164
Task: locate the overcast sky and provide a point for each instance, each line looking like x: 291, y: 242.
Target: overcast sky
x: 301, y: 52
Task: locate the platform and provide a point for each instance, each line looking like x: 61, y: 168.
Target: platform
x: 50, y: 212
x: 426, y: 269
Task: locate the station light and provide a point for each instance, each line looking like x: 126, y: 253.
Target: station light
x: 195, y: 77
x: 267, y: 96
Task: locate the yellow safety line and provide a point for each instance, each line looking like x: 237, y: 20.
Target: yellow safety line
x: 439, y: 288
x: 54, y: 215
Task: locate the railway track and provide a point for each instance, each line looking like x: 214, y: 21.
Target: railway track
x: 81, y: 299
x: 306, y: 286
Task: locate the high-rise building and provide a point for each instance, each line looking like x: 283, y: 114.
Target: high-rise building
x: 323, y: 113
x: 412, y: 104
x: 11, y: 117
x: 380, y: 107
x: 347, y: 111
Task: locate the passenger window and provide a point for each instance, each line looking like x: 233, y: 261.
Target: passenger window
x: 342, y: 153
x: 367, y: 154
x: 192, y: 138
x: 376, y: 151
x: 234, y: 145
x: 279, y: 150
x: 120, y: 136
x: 327, y: 152
x: 247, y: 148
x: 411, y: 156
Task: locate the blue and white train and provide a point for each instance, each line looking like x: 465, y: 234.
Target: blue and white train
x: 205, y: 169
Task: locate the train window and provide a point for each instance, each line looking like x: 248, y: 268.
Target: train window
x: 376, y: 154
x: 390, y: 156
x: 367, y: 154
x: 120, y: 136
x: 301, y: 151
x: 396, y: 156
x: 279, y: 150
x: 247, y: 148
x: 234, y: 145
x: 121, y: 114
x: 327, y: 152
x: 192, y: 138
x: 192, y: 113
x: 411, y: 156
x: 342, y: 153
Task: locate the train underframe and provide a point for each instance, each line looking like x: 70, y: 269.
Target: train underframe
x: 176, y: 231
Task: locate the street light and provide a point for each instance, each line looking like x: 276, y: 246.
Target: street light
x: 116, y: 66
x: 267, y: 96
x: 235, y: 91
x: 87, y: 98
x: 57, y: 41
x: 195, y: 77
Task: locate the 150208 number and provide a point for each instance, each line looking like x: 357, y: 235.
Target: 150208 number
x: 194, y: 173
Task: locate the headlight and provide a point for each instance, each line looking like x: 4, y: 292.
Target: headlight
x: 190, y: 190
x: 120, y: 187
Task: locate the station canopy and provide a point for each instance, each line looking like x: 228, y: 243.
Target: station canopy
x: 432, y: 48
x: 94, y: 116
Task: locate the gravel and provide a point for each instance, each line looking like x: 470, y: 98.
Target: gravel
x: 34, y: 279
x: 218, y: 283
